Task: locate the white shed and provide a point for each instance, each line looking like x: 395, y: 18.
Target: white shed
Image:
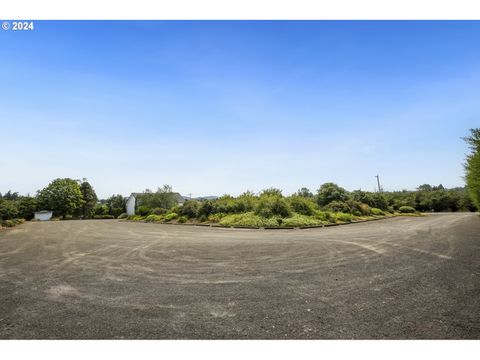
x: 43, y: 215
x: 130, y: 205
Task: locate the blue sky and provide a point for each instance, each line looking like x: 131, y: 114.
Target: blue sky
x: 222, y: 107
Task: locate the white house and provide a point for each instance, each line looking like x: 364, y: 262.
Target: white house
x: 43, y: 215
x: 133, y: 198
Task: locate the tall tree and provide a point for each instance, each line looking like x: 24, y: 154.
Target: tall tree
x: 472, y: 166
x: 304, y: 192
x: 89, y: 197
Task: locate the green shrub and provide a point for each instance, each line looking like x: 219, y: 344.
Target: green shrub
x: 202, y: 218
x: 271, y: 191
x: 8, y: 223
x: 377, y: 212
x: 158, y: 211
x: 122, y: 216
x: 357, y: 208
x: 301, y: 220
x: 338, y: 206
x: 342, y: 217
x: 330, y: 192
x: 182, y: 219
x: 116, y: 212
x: 11, y: 222
x: 406, y: 209
x: 103, y: 216
x: 248, y: 219
x: 365, y: 210
x: 101, y: 209
x: 272, y: 205
x: 226, y: 204
x: 8, y: 209
x: 205, y: 209
x: 189, y: 209
x: 324, y: 216
x: 245, y: 202
x: 135, y: 218
x: 153, y: 218
x: 170, y: 216
x: 143, y: 211
x: 302, y: 205
x: 216, y: 217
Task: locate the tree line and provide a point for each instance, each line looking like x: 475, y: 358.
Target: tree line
x: 67, y: 198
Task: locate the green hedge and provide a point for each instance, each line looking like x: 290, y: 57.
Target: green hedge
x: 406, y: 209
x: 11, y: 222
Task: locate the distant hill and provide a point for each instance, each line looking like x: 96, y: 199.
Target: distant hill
x: 203, y: 198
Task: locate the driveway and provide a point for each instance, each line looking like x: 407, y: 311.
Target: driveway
x: 399, y: 278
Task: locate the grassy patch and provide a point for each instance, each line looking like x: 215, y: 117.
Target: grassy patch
x: 11, y: 223
x: 248, y: 219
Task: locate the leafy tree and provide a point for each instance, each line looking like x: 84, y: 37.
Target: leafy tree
x: 101, y: 209
x: 9, y: 195
x: 89, y: 199
x: 272, y: 205
x: 8, y: 210
x: 304, y: 192
x: 302, y: 205
x: 62, y: 196
x: 206, y: 208
x: 163, y: 198
x: 116, y: 201
x: 472, y: 166
x: 116, y: 205
x: 26, y: 207
x: 329, y: 192
x: 271, y: 191
x: 245, y: 202
x: 190, y: 209
x: 425, y: 187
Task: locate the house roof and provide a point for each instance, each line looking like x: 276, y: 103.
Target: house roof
x: 179, y: 198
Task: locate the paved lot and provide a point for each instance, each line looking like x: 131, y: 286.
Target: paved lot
x: 399, y: 278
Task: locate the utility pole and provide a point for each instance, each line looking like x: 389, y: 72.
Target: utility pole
x: 378, y: 182
x: 190, y: 195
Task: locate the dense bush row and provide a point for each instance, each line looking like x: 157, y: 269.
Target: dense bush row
x: 268, y: 209
x: 330, y: 204
x: 71, y: 199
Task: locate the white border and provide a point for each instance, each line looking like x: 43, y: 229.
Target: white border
x: 241, y: 350
x: 239, y: 9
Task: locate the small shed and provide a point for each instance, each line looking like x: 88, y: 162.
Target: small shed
x: 43, y: 215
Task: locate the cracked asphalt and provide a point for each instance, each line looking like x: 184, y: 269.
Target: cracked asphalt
x: 399, y: 278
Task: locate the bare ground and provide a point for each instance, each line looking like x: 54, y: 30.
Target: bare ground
x: 401, y: 278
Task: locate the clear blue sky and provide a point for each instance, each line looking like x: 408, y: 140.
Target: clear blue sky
x: 222, y: 107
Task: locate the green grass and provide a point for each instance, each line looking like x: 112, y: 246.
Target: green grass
x: 298, y: 220
x: 248, y: 219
